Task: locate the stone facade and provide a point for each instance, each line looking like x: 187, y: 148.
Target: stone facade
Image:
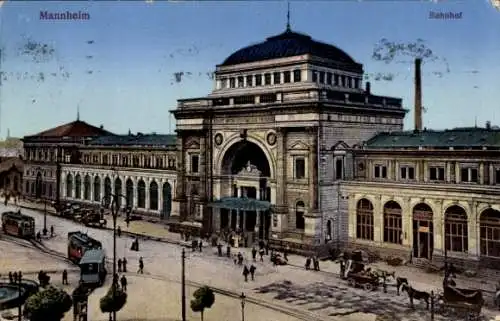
x: 464, y: 208
x: 295, y: 125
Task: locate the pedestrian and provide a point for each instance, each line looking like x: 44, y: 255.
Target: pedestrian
x: 252, y: 271
x: 52, y: 231
x: 267, y: 248
x: 285, y: 253
x: 240, y: 258
x: 228, y: 251
x: 119, y: 265
x: 20, y: 276
x: 261, y: 253
x: 308, y: 263
x: 141, y: 266
x: 124, y: 263
x: 11, y: 278
x: 65, y: 277
x: 200, y: 244
x: 119, y: 231
x: 14, y: 277
x: 254, y: 253
x: 39, y: 236
x: 316, y: 263
x: 245, y: 273
x: 193, y: 245
x: 123, y: 281
x: 219, y: 249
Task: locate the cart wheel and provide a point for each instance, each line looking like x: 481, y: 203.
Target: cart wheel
x: 351, y: 282
x: 368, y: 286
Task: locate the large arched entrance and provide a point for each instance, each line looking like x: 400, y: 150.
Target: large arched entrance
x: 423, y: 231
x: 78, y: 186
x: 97, y: 189
x: 107, y: 191
x: 167, y: 201
x: 489, y: 223
x: 245, y: 176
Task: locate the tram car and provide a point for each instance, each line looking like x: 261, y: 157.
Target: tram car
x: 79, y: 243
x: 93, y: 268
x: 18, y: 224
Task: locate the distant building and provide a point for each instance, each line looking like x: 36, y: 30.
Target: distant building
x: 11, y: 173
x: 47, y: 151
x: 11, y: 147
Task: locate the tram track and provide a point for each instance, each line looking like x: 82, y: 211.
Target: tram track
x: 296, y: 313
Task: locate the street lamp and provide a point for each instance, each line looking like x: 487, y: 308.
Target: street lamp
x: 242, y: 297
x: 112, y: 200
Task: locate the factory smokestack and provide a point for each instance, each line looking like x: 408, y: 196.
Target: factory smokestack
x: 418, y: 95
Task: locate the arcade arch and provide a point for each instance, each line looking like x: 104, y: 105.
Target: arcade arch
x: 489, y: 225
x: 364, y: 220
x: 456, y: 229
x: 393, y: 223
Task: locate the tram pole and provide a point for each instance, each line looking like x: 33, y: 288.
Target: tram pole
x: 45, y: 217
x: 183, y: 284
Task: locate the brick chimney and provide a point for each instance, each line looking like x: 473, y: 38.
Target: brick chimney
x: 418, y: 95
x: 368, y: 88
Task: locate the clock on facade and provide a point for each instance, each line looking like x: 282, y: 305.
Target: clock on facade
x: 271, y: 139
x: 218, y: 139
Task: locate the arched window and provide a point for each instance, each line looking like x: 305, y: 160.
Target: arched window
x: 107, y: 191
x: 300, y: 223
x: 456, y: 229
x: 329, y: 233
x: 141, y: 194
x: 364, y: 220
x: 50, y: 190
x: 490, y: 233
x: 393, y: 225
x: 129, y: 186
x: 78, y: 186
x: 167, y: 200
x: 33, y: 188
x: 153, y: 196
x: 97, y: 189
x: 118, y: 191
x: 69, y: 186
x: 86, y: 188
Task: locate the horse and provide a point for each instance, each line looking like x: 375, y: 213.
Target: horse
x: 400, y: 282
x: 416, y: 294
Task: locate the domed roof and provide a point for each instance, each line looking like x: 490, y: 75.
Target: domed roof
x: 287, y: 44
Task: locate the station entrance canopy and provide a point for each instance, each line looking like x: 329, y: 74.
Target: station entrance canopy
x: 241, y: 203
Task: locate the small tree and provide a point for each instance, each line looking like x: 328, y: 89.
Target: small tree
x: 204, y: 298
x: 113, y: 303
x: 48, y: 305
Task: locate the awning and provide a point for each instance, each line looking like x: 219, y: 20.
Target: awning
x: 241, y: 203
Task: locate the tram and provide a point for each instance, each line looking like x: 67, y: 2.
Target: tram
x: 79, y: 243
x: 18, y: 224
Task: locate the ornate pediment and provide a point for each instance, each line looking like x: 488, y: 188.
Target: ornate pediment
x: 192, y: 144
x: 299, y: 146
x: 250, y: 170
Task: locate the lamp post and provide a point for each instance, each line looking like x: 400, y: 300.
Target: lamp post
x: 44, y: 217
x: 112, y: 201
x: 242, y: 297
x: 19, y: 293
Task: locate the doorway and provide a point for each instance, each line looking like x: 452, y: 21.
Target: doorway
x: 423, y: 239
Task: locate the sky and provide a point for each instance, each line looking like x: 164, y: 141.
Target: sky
x: 118, y: 67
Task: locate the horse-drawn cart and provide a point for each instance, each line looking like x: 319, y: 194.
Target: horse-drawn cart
x: 368, y: 281
x: 461, y: 303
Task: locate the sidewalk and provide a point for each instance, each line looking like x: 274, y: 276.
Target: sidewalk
x: 159, y: 232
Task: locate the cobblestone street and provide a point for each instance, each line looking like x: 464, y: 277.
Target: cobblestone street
x: 322, y: 295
